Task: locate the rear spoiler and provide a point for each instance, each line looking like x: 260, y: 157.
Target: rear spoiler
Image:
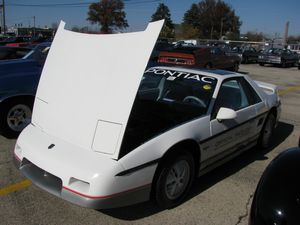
x: 267, y: 87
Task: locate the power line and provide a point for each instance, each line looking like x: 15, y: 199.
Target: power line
x: 51, y: 5
x: 77, y: 4
x: 142, y: 2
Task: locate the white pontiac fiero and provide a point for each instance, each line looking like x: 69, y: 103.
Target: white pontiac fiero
x: 105, y: 133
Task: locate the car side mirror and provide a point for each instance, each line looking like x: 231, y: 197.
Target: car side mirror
x: 226, y: 114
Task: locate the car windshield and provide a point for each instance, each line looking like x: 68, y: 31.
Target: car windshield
x: 275, y: 51
x: 166, y: 99
x: 174, y: 86
x: 237, y: 49
x: 9, y: 39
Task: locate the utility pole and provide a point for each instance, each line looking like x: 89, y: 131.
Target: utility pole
x: 33, y: 26
x: 3, y: 17
x: 286, y: 34
x: 221, y: 30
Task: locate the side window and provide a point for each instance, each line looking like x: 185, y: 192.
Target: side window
x: 216, y: 51
x: 253, y: 97
x: 231, y: 95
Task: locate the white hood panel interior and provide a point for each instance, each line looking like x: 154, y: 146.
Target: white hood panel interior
x: 88, y: 86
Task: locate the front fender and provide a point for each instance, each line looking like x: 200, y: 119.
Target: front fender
x: 6, y: 96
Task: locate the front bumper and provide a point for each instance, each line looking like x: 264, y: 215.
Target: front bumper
x: 269, y: 61
x: 53, y: 185
x: 78, y: 175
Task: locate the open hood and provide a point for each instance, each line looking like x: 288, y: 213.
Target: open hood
x: 88, y: 86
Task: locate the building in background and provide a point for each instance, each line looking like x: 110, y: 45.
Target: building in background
x: 30, y: 31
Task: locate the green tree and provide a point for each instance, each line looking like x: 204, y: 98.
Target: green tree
x: 213, y: 18
x: 294, y: 39
x: 254, y: 36
x: 232, y: 36
x: 109, y: 14
x: 163, y: 12
x: 192, y: 15
x: 75, y: 29
x: 166, y: 32
x: 186, y: 31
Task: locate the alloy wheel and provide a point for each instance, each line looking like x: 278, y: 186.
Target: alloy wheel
x: 18, y: 117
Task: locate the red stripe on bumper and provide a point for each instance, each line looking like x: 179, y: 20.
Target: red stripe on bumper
x: 104, y: 196
x: 17, y: 157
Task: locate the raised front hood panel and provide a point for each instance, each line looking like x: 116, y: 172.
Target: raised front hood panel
x: 90, y: 81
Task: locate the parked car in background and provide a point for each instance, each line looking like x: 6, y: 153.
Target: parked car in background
x: 277, y: 56
x: 185, y: 43
x: 18, y: 83
x: 119, y: 135
x: 10, y: 40
x: 161, y: 45
x: 2, y: 38
x: 200, y: 57
x: 7, y: 53
x: 30, y: 42
x: 247, y: 54
x: 299, y: 63
x: 276, y: 199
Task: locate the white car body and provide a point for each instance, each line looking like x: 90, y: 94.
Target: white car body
x: 73, y: 147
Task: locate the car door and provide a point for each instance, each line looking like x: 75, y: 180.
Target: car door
x: 253, y: 54
x: 231, y: 135
x: 292, y: 58
x: 288, y: 56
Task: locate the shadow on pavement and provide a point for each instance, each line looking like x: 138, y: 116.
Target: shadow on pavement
x: 279, y: 66
x: 201, y: 184
x: 9, y: 137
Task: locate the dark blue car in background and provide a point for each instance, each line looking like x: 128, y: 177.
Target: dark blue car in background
x: 8, y: 53
x: 18, y: 84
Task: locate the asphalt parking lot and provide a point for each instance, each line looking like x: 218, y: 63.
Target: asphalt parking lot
x: 222, y: 196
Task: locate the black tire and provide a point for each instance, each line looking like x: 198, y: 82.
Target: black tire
x: 181, y: 185
x: 267, y: 132
x: 246, y: 60
x: 261, y: 64
x: 15, y: 115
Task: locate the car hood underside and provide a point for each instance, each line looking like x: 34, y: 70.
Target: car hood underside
x: 88, y: 86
